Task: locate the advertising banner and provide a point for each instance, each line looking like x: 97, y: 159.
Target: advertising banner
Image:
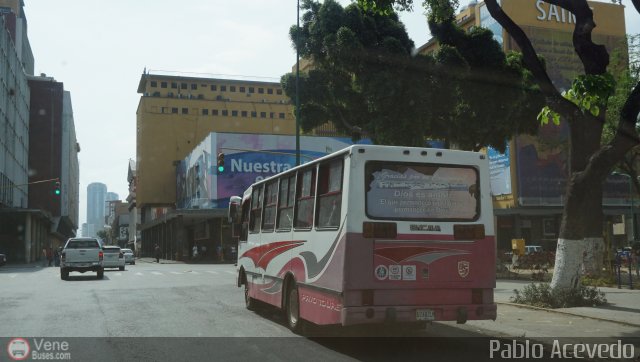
x: 247, y: 158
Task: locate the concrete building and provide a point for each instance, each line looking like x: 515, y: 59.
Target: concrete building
x: 35, y: 113
x: 110, y: 196
x: 96, y: 198
x: 53, y: 155
x: 177, y: 112
x: 134, y: 233
x: 528, y: 181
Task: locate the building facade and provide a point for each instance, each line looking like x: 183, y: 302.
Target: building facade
x: 176, y: 113
x: 53, y: 156
x: 35, y: 113
x: 96, y: 204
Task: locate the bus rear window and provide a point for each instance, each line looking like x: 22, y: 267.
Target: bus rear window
x: 419, y: 191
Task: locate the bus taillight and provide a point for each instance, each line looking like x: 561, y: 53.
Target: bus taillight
x: 386, y: 230
x: 468, y: 232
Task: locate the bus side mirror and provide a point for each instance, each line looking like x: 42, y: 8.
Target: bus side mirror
x: 234, y: 209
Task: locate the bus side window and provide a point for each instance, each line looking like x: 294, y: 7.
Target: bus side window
x: 285, y: 203
x: 329, y: 195
x: 305, y: 196
x: 256, y: 210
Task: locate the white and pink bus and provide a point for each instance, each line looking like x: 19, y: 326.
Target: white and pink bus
x: 371, y: 234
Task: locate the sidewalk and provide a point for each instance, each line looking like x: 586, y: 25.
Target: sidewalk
x: 619, y: 320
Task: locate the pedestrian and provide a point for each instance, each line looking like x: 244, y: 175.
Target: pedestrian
x: 203, y: 249
x: 49, y: 256
x: 636, y: 258
x: 157, y: 253
x: 219, y: 252
x: 194, y: 252
x: 56, y: 257
x: 44, y: 256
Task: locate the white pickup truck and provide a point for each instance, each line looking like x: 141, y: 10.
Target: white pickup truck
x: 81, y: 255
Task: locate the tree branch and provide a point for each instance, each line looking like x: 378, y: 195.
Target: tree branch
x: 532, y: 62
x: 636, y: 4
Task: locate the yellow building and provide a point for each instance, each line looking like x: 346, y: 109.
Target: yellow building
x: 528, y: 203
x: 177, y: 112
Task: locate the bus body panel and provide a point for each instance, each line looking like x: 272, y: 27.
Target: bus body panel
x: 346, y: 278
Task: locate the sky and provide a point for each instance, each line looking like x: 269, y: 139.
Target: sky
x: 99, y: 50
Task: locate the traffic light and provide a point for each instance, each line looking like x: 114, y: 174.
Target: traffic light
x: 220, y: 162
x: 56, y: 188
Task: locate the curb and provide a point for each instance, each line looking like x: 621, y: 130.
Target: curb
x: 569, y: 313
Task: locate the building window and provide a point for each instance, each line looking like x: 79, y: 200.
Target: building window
x: 154, y: 84
x: 225, y: 112
x: 234, y: 113
x: 261, y: 90
x: 279, y: 91
x: 232, y: 88
x: 174, y: 85
x: 254, y: 114
x: 223, y: 88
x: 214, y: 112
x: 214, y: 87
x: 183, y: 85
x: 205, y: 112
x: 281, y: 115
x: 244, y: 113
x: 194, y: 86
x: 164, y: 110
x: 163, y: 85
x: 271, y: 114
x: 263, y: 114
x: 174, y: 110
x: 251, y: 90
x: 185, y: 110
x: 269, y: 90
x: 242, y: 89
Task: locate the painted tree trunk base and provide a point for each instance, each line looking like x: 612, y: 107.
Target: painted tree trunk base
x: 568, y: 267
x: 592, y: 257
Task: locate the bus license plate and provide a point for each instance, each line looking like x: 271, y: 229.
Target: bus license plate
x: 425, y: 315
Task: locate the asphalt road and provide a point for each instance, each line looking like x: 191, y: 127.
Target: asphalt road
x: 191, y: 312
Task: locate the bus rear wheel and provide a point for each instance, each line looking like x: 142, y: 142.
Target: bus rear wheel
x: 292, y: 312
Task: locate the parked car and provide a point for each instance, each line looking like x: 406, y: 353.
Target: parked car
x: 3, y: 259
x: 532, y: 249
x: 128, y: 256
x: 113, y: 257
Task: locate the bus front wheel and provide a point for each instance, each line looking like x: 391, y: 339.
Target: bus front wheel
x: 293, y: 310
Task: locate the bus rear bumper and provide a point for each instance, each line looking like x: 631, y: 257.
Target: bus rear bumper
x: 407, y: 314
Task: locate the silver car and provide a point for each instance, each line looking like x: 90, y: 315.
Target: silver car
x: 113, y: 257
x: 128, y: 256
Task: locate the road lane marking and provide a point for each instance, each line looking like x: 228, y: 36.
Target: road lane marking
x: 230, y: 272
x: 178, y: 273
x: 140, y: 274
x: 212, y: 272
x: 194, y: 272
x: 156, y: 273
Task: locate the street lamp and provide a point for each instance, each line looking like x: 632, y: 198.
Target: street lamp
x: 633, y: 215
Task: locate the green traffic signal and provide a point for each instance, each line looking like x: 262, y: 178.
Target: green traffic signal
x: 220, y: 162
x: 56, y: 189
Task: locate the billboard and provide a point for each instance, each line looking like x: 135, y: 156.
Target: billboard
x: 499, y: 171
x: 248, y: 158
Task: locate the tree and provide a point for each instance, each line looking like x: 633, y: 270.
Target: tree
x: 584, y: 108
x: 103, y: 235
x: 365, y: 79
